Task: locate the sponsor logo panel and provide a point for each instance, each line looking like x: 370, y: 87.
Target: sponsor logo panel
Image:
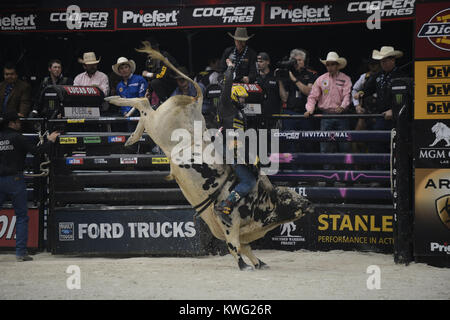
x: 323, y: 13
x: 432, y: 30
x: 74, y: 161
x: 148, y: 18
x: 432, y: 212
x: 8, y: 228
x: 74, y: 18
x: 361, y: 229
x: 432, y: 90
x: 116, y: 139
x: 18, y: 21
x: 126, y: 231
x: 68, y: 140
x: 432, y: 143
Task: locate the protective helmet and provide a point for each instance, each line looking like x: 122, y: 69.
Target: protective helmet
x: 237, y: 92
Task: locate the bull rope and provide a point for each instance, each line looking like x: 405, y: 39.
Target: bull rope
x: 202, y: 206
x: 44, y: 171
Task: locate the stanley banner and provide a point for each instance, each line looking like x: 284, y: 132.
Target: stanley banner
x: 432, y: 212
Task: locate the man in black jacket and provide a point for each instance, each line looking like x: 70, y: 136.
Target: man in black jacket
x: 161, y: 79
x: 242, y: 56
x: 55, y: 77
x: 380, y: 83
x: 13, y: 150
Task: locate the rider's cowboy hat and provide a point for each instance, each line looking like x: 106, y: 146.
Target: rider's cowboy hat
x: 240, y: 34
x: 334, y: 57
x: 386, y: 52
x: 89, y: 58
x: 123, y: 60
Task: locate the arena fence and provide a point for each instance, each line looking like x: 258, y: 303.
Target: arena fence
x: 104, y: 198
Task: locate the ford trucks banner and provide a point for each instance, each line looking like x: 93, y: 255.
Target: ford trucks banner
x: 149, y: 231
x: 204, y: 15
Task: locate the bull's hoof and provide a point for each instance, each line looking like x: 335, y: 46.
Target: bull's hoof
x: 261, y: 265
x: 243, y: 266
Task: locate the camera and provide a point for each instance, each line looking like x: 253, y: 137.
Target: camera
x: 283, y: 68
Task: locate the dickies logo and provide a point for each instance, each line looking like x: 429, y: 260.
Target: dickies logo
x: 437, y: 30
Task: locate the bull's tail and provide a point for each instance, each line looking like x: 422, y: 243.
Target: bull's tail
x: 158, y: 56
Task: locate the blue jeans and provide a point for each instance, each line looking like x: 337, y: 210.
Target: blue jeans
x: 293, y: 146
x: 338, y: 125
x: 379, y: 124
x: 15, y: 187
x: 331, y: 147
x: 246, y: 179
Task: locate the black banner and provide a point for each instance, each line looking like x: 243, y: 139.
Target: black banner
x: 151, y: 231
x: 353, y: 227
x: 74, y: 18
x: 301, y: 13
x: 201, y: 16
x: 336, y: 227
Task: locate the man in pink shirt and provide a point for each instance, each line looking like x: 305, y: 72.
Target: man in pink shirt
x: 331, y: 94
x: 92, y: 77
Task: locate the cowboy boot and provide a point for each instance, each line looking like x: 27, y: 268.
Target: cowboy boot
x: 226, y: 206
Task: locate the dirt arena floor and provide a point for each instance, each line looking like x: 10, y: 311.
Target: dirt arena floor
x: 292, y: 276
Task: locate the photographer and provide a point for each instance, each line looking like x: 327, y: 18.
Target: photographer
x: 295, y: 82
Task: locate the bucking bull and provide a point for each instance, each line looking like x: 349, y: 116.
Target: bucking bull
x: 204, y: 184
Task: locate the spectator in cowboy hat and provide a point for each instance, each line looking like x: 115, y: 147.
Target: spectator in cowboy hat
x: 331, y: 93
x: 380, y: 83
x: 242, y: 56
x: 91, y: 76
x: 131, y: 86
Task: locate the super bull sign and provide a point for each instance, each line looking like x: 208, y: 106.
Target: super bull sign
x: 128, y: 231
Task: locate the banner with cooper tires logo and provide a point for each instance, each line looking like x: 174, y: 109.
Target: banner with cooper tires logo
x: 75, y: 18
